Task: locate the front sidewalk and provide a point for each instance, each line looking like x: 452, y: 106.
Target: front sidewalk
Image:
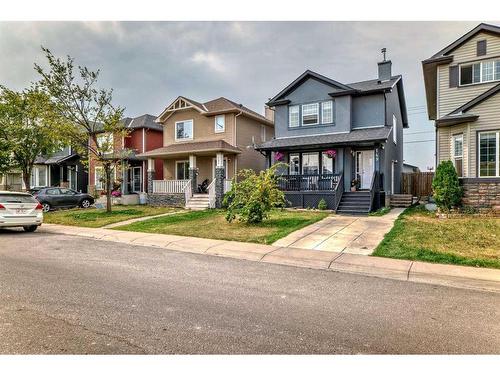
x: 406, y: 270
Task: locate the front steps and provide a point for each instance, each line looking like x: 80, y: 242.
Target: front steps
x: 355, y: 203
x: 198, y: 202
x: 401, y: 200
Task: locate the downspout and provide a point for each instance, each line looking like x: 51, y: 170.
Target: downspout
x: 235, y: 143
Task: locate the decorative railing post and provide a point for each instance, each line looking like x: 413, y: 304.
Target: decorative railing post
x: 151, y: 175
x: 193, y: 174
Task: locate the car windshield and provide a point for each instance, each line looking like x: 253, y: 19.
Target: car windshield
x: 16, y: 198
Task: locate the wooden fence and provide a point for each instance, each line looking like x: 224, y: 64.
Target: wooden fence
x: 417, y: 184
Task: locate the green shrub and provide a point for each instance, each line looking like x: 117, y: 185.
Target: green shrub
x: 446, y: 187
x: 322, y: 205
x: 252, y: 198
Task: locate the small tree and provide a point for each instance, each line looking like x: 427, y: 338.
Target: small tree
x: 251, y: 199
x: 446, y: 187
x: 89, y: 109
x: 29, y: 127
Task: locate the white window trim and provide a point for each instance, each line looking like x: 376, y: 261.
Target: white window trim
x: 394, y: 129
x: 302, y: 114
x: 290, y: 116
x: 99, y: 185
x: 290, y: 163
x: 263, y: 133
x: 453, y: 138
x: 35, y: 174
x: 322, y: 115
x: 480, y: 72
x: 178, y: 162
x: 478, y: 163
x: 215, y: 124
x: 184, y: 139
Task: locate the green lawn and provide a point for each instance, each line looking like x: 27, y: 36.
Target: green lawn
x: 418, y: 235
x: 94, y: 218
x: 212, y: 224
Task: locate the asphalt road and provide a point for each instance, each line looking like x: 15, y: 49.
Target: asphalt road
x: 64, y: 294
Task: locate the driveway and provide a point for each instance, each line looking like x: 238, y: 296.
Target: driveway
x: 343, y: 233
x: 70, y: 294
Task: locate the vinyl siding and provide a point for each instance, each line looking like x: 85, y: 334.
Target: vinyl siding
x: 452, y: 98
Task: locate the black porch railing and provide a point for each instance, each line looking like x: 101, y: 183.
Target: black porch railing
x: 308, y: 182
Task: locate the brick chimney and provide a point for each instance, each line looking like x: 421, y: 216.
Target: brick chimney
x: 269, y: 113
x: 384, y: 68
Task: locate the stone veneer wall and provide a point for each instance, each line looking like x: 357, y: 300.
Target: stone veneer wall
x: 175, y: 200
x: 481, y: 192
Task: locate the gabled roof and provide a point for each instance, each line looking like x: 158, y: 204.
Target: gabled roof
x: 444, y: 56
x: 478, y: 99
x: 211, y: 108
x: 177, y: 149
x: 145, y: 121
x: 482, y: 27
x: 300, y: 79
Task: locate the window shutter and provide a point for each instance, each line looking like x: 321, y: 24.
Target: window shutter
x: 454, y: 76
x: 481, y: 48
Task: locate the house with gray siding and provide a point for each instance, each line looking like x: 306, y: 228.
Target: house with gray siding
x: 462, y: 84
x: 342, y: 143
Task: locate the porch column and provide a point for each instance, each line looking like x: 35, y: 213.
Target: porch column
x: 220, y: 174
x: 151, y: 175
x: 124, y: 178
x: 193, y: 174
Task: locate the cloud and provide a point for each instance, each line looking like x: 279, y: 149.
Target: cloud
x: 209, y: 59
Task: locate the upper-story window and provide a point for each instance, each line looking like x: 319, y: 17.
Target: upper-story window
x: 394, y: 128
x: 310, y: 114
x: 327, y: 112
x: 293, y: 116
x: 184, y: 130
x: 263, y: 133
x: 105, y: 143
x: 483, y: 71
x: 220, y: 123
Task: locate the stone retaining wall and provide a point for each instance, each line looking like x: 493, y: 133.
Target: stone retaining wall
x: 173, y: 199
x: 481, y: 193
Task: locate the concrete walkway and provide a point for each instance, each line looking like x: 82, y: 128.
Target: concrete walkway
x: 130, y: 221
x: 457, y: 276
x: 343, y: 234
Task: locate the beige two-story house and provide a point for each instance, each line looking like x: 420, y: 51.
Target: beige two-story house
x: 462, y: 83
x: 201, y: 140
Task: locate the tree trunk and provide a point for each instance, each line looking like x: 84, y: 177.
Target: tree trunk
x: 27, y: 180
x: 107, y: 171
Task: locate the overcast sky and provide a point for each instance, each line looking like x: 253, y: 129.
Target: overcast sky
x: 148, y: 64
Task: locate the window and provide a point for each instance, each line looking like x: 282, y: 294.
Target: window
x: 220, y: 123
x: 394, y: 129
x: 293, y: 116
x: 488, y: 154
x: 67, y: 192
x: 484, y: 71
x: 310, y: 114
x: 52, y: 192
x: 458, y: 143
x: 327, y: 112
x: 294, y: 162
x: 182, y: 170
x: 105, y: 143
x: 326, y: 163
x: 38, y: 176
x: 99, y: 178
x: 184, y: 130
x: 310, y: 163
x: 263, y: 133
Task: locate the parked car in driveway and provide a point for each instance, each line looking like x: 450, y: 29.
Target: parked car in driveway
x: 20, y: 210
x: 55, y: 197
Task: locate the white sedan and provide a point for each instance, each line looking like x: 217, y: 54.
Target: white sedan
x: 20, y: 210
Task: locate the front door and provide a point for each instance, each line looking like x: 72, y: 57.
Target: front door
x: 365, y: 168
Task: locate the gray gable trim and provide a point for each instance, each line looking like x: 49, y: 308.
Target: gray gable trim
x: 355, y: 136
x: 307, y: 74
x: 482, y: 27
x: 478, y: 99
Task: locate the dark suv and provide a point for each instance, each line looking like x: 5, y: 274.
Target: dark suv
x: 55, y: 197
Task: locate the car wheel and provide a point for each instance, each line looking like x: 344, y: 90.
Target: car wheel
x: 30, y: 228
x: 46, y: 207
x: 85, y: 203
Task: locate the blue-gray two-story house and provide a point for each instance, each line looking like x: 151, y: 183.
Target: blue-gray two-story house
x: 343, y: 143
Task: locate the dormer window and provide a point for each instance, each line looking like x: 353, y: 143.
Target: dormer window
x: 484, y: 71
x: 310, y: 114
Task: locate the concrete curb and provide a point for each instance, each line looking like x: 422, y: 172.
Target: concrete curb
x: 484, y: 279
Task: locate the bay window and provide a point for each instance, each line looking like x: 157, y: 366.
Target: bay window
x: 310, y: 114
x: 458, y: 147
x: 184, y: 130
x: 489, y: 154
